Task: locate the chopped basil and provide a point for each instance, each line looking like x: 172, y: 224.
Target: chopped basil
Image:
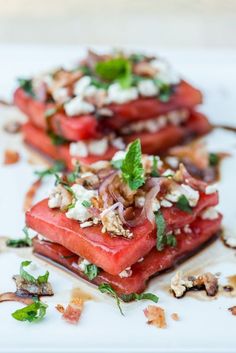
x: 59, y: 166
x: 86, y: 203
x: 171, y: 240
x: 154, y: 172
x: 117, y: 69
x: 91, y: 271
x: 26, y: 85
x: 142, y: 296
x: 183, y: 204
x: 117, y: 164
x: 31, y: 279
x: 165, y: 90
x: 161, y: 230
x: 106, y: 288
x: 132, y: 168
x: 31, y: 313
x: 71, y: 177
x: 213, y: 159
x: 20, y: 243
x: 136, y: 58
x: 56, y: 139
x: 85, y: 69
x: 99, y: 84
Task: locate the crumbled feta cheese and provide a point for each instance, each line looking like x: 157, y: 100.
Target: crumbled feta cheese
x: 139, y: 201
x: 179, y: 284
x: 168, y: 172
x: 86, y: 224
x: 83, y: 264
x: 159, y: 65
x: 164, y: 72
x: 98, y: 147
x: 147, y: 88
x: 183, y: 189
x: 172, y: 161
x: 210, y: 189
x: 119, y: 155
x: 77, y: 106
x: 100, y: 165
x: 177, y: 231
x: 118, y: 143
x: 59, y: 198
x: 79, y: 212
x: 54, y: 200
x: 210, y: 213
x: 141, y: 259
x: 166, y: 203
x: 126, y: 273
x: 78, y: 149
x: 60, y: 95
x: 187, y: 229
x: 117, y: 94
x: 81, y: 85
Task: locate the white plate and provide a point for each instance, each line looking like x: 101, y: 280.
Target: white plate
x: 205, y: 325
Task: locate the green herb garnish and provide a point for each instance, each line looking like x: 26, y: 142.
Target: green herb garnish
x: 56, y: 139
x: 165, y: 90
x: 20, y: 243
x: 31, y: 279
x: 71, y: 177
x: 106, y: 288
x: 86, y: 203
x: 132, y: 168
x: 213, y: 159
x: 31, y: 313
x: 171, y: 240
x: 27, y: 86
x: 161, y: 230
x: 137, y: 58
x: 59, y: 166
x: 142, y: 296
x: 117, y: 69
x: 91, y: 271
x: 183, y: 204
x: 154, y: 172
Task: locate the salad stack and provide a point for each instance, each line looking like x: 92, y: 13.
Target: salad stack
x: 89, y: 112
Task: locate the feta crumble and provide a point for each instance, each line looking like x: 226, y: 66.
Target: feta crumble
x: 77, y: 106
x: 126, y: 273
x: 147, y: 88
x: 210, y: 213
x: 178, y: 190
x: 210, y: 189
x: 117, y: 94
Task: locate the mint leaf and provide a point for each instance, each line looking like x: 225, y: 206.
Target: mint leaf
x: 171, y: 240
x: 56, y: 139
x: 59, y: 166
x: 91, y: 271
x: 31, y: 313
x: 106, y: 288
x: 161, y: 230
x: 154, y: 172
x: 132, y: 168
x: 117, y: 69
x: 183, y: 204
x: 86, y: 203
x: 26, y: 85
x: 71, y: 177
x: 142, y: 296
x: 31, y: 279
x: 20, y: 243
x: 165, y: 90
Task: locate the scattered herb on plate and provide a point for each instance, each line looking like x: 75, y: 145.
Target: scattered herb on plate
x: 31, y: 279
x: 32, y: 313
x: 21, y: 242
x: 106, y: 288
x: 91, y: 271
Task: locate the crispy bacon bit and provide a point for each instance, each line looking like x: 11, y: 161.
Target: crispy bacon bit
x: 11, y: 157
x: 30, y: 195
x: 60, y: 308
x: 233, y: 310
x: 180, y: 284
x: 73, y: 311
x: 155, y: 316
x: 13, y: 297
x: 175, y: 316
x: 12, y: 127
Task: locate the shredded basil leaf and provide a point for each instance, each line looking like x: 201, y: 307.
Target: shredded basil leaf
x: 31, y: 313
x: 91, y: 271
x: 26, y: 85
x: 117, y: 69
x: 71, y: 177
x: 171, y: 240
x: 136, y: 58
x: 20, y: 243
x: 56, y: 139
x: 132, y: 168
x: 59, y: 166
x: 31, y: 279
x: 213, y: 159
x: 165, y: 90
x: 106, y: 288
x: 161, y: 230
x: 154, y: 172
x: 142, y: 296
x: 86, y: 203
x: 183, y: 204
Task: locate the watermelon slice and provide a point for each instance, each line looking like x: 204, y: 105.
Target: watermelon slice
x: 113, y: 254
x: 153, y: 263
